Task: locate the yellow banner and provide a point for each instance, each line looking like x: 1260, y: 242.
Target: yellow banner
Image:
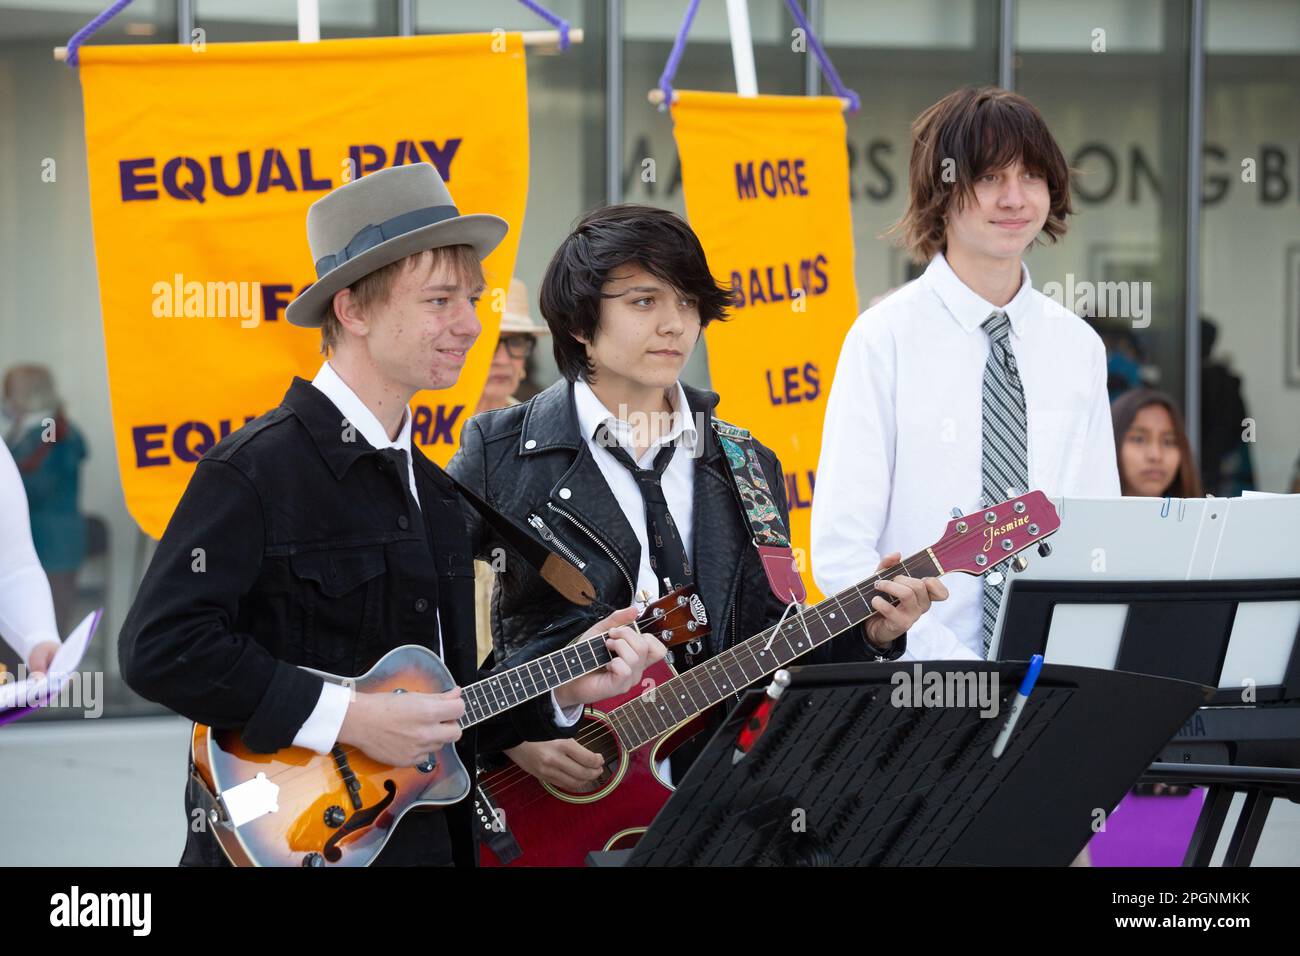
x: 766, y: 181
x: 203, y: 162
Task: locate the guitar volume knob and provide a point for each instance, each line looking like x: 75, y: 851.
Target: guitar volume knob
x: 334, y: 816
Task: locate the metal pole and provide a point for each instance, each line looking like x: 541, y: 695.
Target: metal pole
x: 308, y: 21
x: 184, y: 21
x: 811, y: 70
x: 1192, y: 260
x: 1007, y: 45
x: 614, y: 101
x: 406, y: 18
x: 742, y: 47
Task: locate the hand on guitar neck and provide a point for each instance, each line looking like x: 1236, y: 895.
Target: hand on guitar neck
x: 400, y: 729
x: 892, y: 619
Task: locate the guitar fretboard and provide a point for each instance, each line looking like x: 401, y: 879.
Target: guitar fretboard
x: 489, y: 697
x: 694, y: 691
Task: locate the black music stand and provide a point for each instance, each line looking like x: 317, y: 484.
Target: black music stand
x: 842, y: 776
x: 1181, y: 629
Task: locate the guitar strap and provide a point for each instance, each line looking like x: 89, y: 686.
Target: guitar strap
x: 571, y: 583
x: 757, y: 509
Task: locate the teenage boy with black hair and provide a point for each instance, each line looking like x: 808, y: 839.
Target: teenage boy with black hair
x: 617, y: 465
x: 965, y: 386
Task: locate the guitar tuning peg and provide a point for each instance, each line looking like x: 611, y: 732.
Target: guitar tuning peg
x: 956, y: 512
x: 1044, y: 549
x: 1019, y: 563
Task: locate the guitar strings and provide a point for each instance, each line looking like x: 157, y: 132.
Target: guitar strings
x: 291, y: 773
x: 495, y: 785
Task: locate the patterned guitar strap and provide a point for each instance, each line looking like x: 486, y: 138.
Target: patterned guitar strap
x: 767, y: 531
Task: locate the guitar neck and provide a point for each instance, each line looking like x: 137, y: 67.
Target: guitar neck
x: 694, y: 691
x: 489, y: 697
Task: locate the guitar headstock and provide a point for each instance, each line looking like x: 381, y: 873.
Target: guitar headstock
x: 975, y: 542
x: 676, y: 618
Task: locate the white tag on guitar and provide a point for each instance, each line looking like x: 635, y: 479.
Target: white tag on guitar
x: 250, y: 800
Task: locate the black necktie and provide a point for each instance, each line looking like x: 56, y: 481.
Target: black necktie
x: 668, y: 557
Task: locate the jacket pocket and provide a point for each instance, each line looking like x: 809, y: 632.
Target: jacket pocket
x: 340, y: 594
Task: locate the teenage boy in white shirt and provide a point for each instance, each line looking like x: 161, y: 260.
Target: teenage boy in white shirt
x: 966, y: 386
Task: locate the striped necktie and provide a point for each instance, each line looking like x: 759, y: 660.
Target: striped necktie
x: 1004, y: 459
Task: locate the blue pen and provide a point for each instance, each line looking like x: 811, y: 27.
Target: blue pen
x: 1018, y: 704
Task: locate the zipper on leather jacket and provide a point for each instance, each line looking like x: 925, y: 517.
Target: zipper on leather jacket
x: 631, y: 585
x: 549, y: 535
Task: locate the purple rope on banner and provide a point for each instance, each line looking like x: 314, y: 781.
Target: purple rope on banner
x: 85, y: 32
x: 553, y: 19
x: 855, y: 102
x: 675, y: 57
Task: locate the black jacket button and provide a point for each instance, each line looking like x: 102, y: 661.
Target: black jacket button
x: 421, y: 605
x: 402, y: 522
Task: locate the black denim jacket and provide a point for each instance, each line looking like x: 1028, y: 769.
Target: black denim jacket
x: 297, y: 543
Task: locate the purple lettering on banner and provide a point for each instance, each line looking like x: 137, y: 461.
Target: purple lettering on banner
x: 280, y: 176
x: 309, y: 182
x: 405, y: 152
x: 812, y: 376
x: 181, y: 446
x: 745, y: 187
x: 441, y: 157
x: 771, y: 395
x: 142, y: 436
x: 738, y: 289
x: 798, y: 177
x: 133, y: 174
x: 273, y: 302
x: 793, y: 494
x: 193, y: 189
x: 820, y: 273
x: 378, y: 158
x: 789, y: 376
x: 767, y: 179
x: 446, y: 418
x: 771, y: 288
x: 420, y: 424
x: 245, y: 162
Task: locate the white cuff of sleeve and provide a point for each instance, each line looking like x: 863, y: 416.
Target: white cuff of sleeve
x: 320, y: 732
x: 565, y: 718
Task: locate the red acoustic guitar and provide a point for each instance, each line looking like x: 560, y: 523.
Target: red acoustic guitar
x: 296, y: 807
x: 529, y: 823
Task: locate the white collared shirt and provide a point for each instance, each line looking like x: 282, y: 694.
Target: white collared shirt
x: 356, y: 414
x: 321, y: 729
x: 901, y: 442
x: 678, y: 478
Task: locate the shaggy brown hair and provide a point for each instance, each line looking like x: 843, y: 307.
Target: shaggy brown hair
x: 981, y: 130
x: 375, y: 287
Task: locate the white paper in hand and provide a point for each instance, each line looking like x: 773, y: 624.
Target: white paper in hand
x: 36, y: 690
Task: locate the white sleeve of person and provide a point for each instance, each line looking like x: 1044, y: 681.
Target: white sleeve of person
x: 26, y: 607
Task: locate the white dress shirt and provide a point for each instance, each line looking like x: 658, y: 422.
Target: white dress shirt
x: 901, y: 443
x: 26, y: 608
x: 321, y: 729
x: 678, y: 477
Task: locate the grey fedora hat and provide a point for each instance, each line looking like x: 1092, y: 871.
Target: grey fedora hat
x: 376, y: 220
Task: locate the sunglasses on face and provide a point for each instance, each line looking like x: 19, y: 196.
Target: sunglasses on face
x: 518, y: 346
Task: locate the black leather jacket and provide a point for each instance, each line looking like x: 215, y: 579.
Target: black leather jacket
x: 530, y: 462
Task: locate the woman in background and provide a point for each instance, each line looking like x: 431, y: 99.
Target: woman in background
x: 1151, y: 447
x: 48, y: 450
